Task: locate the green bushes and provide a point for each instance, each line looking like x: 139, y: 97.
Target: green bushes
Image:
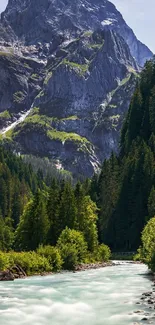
x: 69, y: 254
x: 103, y: 253
x: 146, y: 253
x: 53, y: 256
x: 30, y: 262
x: 4, y: 261
x: 73, y: 248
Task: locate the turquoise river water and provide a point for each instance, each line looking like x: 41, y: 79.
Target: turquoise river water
x: 106, y: 296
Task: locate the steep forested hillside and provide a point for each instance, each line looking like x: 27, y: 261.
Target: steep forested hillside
x: 125, y: 189
x: 17, y: 185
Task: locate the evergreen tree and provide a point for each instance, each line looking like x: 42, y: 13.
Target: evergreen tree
x: 67, y: 209
x: 34, y: 225
x: 53, y: 203
x: 151, y: 203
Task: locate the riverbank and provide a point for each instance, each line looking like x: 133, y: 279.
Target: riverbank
x: 147, y: 301
x: 18, y: 273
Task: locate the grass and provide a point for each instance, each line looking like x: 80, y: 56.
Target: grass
x: 82, y: 68
x: 9, y: 134
x: 122, y: 83
x: 26, y: 65
x: 35, y: 110
x: 34, y: 76
x: 2, y: 53
x: 88, y: 33
x: 18, y: 97
x: 112, y: 106
x: 72, y: 118
x: 96, y: 46
x: 114, y: 117
x: 5, y: 115
x: 41, y: 94
x: 48, y: 77
x: 38, y: 119
x: 65, y: 136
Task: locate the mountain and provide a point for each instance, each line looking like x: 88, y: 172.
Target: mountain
x: 62, y: 19
x: 73, y: 65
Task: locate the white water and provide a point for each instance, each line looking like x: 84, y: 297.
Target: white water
x: 18, y: 121
x: 105, y: 296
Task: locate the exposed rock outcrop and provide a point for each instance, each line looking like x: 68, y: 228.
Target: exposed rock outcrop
x: 75, y: 64
x: 66, y: 19
x: 15, y: 272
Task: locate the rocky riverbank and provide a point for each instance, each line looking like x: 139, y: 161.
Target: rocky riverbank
x: 18, y: 273
x: 147, y: 305
x: 93, y: 266
x: 15, y: 272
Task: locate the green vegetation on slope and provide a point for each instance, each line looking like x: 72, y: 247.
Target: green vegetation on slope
x: 81, y: 68
x: 66, y: 136
x: 48, y: 227
x: 146, y: 253
x: 5, y: 115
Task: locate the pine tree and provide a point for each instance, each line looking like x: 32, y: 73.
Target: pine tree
x: 34, y: 225
x: 53, y: 212
x: 151, y: 203
x: 67, y: 209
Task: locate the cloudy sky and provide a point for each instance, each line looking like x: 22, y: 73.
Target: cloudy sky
x: 139, y: 14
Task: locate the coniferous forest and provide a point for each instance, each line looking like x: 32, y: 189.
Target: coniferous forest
x: 67, y: 223
x: 125, y: 188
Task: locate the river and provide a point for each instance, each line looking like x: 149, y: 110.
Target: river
x: 106, y: 296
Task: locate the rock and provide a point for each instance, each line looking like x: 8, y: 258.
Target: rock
x: 18, y: 272
x: 79, y: 70
x: 15, y: 272
x: 6, y: 276
x: 17, y: 18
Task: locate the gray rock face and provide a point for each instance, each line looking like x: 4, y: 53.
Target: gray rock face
x: 18, y: 87
x: 75, y: 63
x: 51, y: 19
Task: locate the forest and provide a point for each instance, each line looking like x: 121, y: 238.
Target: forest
x: 49, y: 223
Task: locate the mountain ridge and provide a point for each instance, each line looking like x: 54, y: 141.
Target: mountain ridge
x: 67, y: 18
x: 81, y: 75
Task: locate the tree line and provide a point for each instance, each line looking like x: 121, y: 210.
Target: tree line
x: 56, y: 222
x: 124, y: 191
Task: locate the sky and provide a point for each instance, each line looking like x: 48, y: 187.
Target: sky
x: 3, y: 4
x: 139, y: 14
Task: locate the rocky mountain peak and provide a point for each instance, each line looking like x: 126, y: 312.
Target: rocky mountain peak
x: 68, y: 69
x: 50, y: 19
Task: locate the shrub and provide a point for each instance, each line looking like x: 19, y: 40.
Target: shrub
x: 53, y: 256
x: 70, y: 256
x: 148, y: 242
x: 4, y: 261
x: 72, y: 247
x: 30, y: 262
x: 104, y: 253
